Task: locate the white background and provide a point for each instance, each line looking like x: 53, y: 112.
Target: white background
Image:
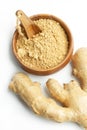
x: 14, y: 114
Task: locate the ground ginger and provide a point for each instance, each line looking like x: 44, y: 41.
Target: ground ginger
x: 46, y: 49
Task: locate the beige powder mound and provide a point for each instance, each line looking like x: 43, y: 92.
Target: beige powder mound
x: 46, y: 49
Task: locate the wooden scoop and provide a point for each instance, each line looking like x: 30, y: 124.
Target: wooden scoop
x: 30, y: 27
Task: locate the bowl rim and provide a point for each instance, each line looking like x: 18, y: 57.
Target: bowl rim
x: 55, y: 68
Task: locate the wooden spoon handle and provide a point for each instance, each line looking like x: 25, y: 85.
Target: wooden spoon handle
x: 29, y: 26
x: 24, y: 18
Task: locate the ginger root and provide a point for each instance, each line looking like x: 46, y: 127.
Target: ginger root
x: 72, y: 96
x: 31, y: 93
x: 80, y: 66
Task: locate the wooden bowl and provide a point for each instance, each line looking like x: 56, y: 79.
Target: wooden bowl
x: 59, y: 66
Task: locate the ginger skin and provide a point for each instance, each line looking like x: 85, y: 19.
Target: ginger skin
x: 73, y: 96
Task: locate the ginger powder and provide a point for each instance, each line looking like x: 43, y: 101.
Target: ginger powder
x: 46, y: 49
